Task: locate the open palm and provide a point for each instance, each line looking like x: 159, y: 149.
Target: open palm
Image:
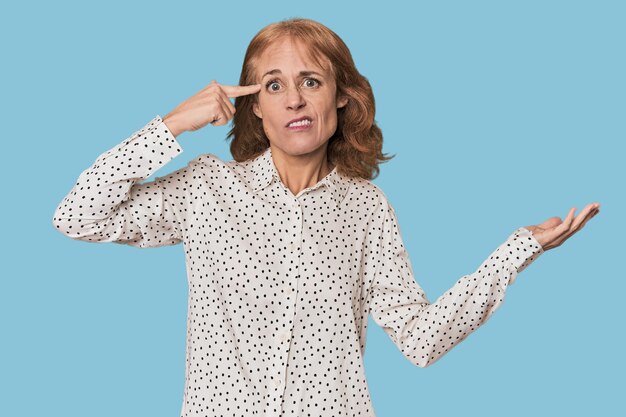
x: 554, y: 231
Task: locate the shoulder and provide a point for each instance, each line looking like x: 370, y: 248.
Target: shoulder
x: 214, y: 169
x: 376, y: 193
x: 210, y: 160
x: 207, y: 160
x: 369, y: 199
x: 214, y: 166
x: 208, y: 167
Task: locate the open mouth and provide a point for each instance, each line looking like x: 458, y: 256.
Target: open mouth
x: 300, y: 124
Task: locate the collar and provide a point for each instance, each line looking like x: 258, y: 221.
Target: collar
x: 263, y: 171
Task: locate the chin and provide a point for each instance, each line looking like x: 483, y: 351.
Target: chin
x: 303, y: 149
x: 295, y: 147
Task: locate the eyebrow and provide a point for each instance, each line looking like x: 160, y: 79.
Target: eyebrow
x: 302, y: 73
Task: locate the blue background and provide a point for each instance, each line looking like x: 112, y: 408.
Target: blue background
x: 501, y: 114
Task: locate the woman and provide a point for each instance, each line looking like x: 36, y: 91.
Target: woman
x: 289, y: 247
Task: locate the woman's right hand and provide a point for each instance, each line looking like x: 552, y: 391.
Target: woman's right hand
x: 210, y: 105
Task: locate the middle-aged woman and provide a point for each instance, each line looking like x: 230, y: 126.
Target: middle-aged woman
x: 289, y: 247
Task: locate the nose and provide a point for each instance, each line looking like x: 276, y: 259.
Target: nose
x: 295, y: 100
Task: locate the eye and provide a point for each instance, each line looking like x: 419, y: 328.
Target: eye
x: 271, y: 84
x: 311, y: 82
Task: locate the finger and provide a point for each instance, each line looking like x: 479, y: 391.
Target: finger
x: 227, y: 102
x: 562, y: 229
x: 566, y: 223
x: 233, y: 91
x: 226, y: 109
x: 570, y: 217
x: 220, y: 120
x: 218, y: 89
x: 574, y: 225
x: 231, y: 107
x: 589, y: 217
x: 220, y: 116
x: 583, y: 216
x: 209, y: 84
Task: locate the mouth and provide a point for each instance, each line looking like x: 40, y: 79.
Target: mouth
x: 301, y: 123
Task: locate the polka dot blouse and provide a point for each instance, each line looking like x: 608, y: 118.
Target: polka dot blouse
x: 280, y: 285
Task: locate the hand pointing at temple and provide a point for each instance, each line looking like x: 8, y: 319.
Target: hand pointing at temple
x: 553, y: 232
x: 210, y: 105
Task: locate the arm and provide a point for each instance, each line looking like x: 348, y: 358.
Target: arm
x: 108, y: 204
x: 423, y: 331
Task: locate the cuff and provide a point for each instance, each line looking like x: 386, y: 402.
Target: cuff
x: 523, y: 250
x: 165, y: 140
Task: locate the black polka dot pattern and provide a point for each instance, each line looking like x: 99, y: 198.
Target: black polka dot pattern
x: 425, y: 331
x: 280, y: 285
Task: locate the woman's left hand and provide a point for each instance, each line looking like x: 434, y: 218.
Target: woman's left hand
x: 553, y: 232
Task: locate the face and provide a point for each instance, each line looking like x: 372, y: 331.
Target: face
x: 295, y: 88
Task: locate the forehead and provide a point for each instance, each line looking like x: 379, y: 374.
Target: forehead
x: 289, y: 52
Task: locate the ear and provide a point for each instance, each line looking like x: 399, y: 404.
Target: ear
x: 257, y: 110
x: 342, y: 101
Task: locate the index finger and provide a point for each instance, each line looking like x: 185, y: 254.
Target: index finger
x: 241, y: 90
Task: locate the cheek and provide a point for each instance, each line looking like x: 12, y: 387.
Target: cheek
x: 269, y: 106
x: 325, y: 104
x: 328, y: 110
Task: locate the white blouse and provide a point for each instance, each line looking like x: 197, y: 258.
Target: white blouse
x: 280, y: 285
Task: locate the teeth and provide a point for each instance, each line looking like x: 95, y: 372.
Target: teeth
x: 300, y: 123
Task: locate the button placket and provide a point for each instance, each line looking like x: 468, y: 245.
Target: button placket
x: 294, y: 246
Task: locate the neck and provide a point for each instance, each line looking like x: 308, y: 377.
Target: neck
x: 298, y: 172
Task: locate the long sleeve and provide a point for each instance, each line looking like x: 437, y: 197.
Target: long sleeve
x: 423, y: 331
x: 109, y: 204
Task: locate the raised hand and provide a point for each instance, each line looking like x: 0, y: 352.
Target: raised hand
x: 553, y: 232
x: 210, y: 105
